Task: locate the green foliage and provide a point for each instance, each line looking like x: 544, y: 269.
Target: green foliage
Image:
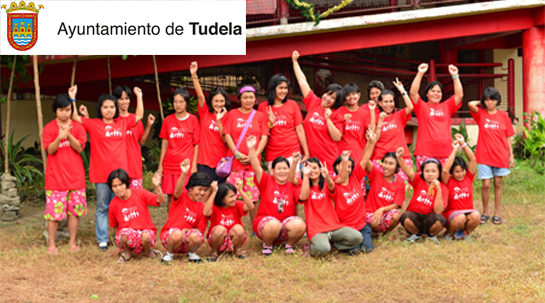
x: 21, y: 164
x: 462, y: 130
x: 307, y: 9
x: 21, y: 74
x: 534, y: 143
x: 152, y: 157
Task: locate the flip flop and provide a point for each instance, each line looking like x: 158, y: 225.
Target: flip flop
x: 484, y: 219
x: 157, y: 254
x: 496, y: 220
x: 122, y: 259
x: 242, y: 256
x: 52, y: 251
x: 75, y: 248
x: 212, y: 259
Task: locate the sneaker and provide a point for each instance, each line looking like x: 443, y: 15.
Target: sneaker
x: 103, y: 246
x: 289, y: 249
x: 166, y: 260
x: 267, y: 250
x: 460, y: 234
x: 468, y: 239
x: 194, y: 258
x: 448, y: 237
x: 434, y: 239
x: 413, y: 238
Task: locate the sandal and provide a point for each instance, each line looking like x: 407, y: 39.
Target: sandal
x: 52, y: 251
x: 212, y: 258
x: 267, y: 250
x: 496, y: 220
x: 484, y: 219
x: 157, y: 254
x: 122, y: 259
x: 242, y: 256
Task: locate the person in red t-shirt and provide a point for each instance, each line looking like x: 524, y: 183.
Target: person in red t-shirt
x: 181, y: 137
x: 430, y: 198
x: 212, y: 110
x: 494, y: 148
x: 234, y: 125
x: 225, y: 212
x: 387, y: 192
x: 434, y: 135
x: 130, y: 219
x: 64, y: 175
x: 458, y: 175
x: 276, y: 220
x: 287, y: 134
x: 107, y: 135
x: 186, y: 224
x: 319, y: 111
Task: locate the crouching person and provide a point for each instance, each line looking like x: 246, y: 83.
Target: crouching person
x: 183, y: 231
x: 129, y: 216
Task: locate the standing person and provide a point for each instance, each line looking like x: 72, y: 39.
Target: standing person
x: 374, y: 89
x: 181, y: 136
x: 276, y: 220
x: 134, y: 231
x: 107, y: 136
x: 458, y: 175
x: 64, y: 174
x: 226, y: 232
x: 212, y: 110
x: 318, y: 119
x: 184, y: 229
x: 241, y: 123
x: 430, y: 198
x: 434, y: 136
x: 287, y: 134
x: 494, y: 148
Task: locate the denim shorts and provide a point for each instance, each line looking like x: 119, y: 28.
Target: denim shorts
x: 488, y: 172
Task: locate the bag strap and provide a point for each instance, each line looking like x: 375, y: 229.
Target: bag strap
x: 245, y: 129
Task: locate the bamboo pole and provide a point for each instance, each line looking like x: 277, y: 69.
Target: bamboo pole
x: 8, y: 114
x: 109, y: 75
x: 39, y: 106
x: 74, y: 71
x: 157, y: 86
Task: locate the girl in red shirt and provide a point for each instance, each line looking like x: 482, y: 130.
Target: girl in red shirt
x: 287, y: 134
x: 225, y: 212
x: 318, y: 119
x: 458, y: 175
x: 434, y: 135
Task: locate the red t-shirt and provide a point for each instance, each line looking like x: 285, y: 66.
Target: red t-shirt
x: 283, y: 140
x: 421, y: 202
x: 182, y: 136
x: 271, y: 194
x: 133, y: 212
x: 227, y: 216
x: 319, y: 211
x: 460, y: 193
x: 353, y: 129
x: 234, y: 125
x: 384, y: 193
x: 134, y: 151
x: 349, y: 202
x: 108, y: 146
x: 434, y: 137
x: 320, y: 144
x: 64, y: 170
x: 392, y: 135
x: 185, y: 213
x: 212, y: 146
x: 492, y: 146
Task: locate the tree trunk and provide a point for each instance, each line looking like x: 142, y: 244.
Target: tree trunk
x: 74, y: 71
x: 158, y: 89
x: 39, y: 107
x: 109, y: 74
x: 7, y: 135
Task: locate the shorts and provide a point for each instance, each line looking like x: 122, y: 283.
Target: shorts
x: 400, y: 174
x: 386, y: 219
x: 135, y: 183
x: 134, y: 239
x: 183, y: 247
x: 290, y: 160
x: 283, y: 236
x: 422, y: 159
x: 211, y: 172
x: 488, y: 172
x: 168, y: 184
x: 61, y: 202
x: 227, y: 242
x: 422, y: 222
x: 249, y: 186
x: 451, y: 214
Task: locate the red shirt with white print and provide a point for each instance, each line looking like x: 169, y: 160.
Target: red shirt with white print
x: 272, y: 194
x: 227, y: 216
x: 492, y: 146
x: 392, y: 135
x: 133, y: 212
x: 421, y: 202
x: 384, y: 193
x: 434, y: 137
x: 349, y: 200
x: 320, y: 144
x: 352, y: 125
x: 233, y: 125
x: 134, y: 151
x: 182, y: 135
x: 283, y: 140
x: 108, y: 146
x: 460, y: 193
x: 185, y: 214
x: 212, y: 146
x: 64, y: 170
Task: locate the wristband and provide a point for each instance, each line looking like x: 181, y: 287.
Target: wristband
x: 195, y: 77
x: 252, y: 156
x: 455, y: 77
x: 269, y: 124
x: 404, y: 93
x: 464, y: 145
x: 73, y: 100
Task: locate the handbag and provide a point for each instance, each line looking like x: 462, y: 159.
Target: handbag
x: 223, y: 169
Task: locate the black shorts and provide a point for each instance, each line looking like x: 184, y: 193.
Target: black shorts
x: 422, y: 222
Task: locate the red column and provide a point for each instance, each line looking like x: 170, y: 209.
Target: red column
x: 448, y: 56
x: 533, y: 69
x: 511, y: 87
x: 431, y: 68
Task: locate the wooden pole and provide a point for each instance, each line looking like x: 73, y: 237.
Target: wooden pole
x: 109, y: 75
x: 74, y: 71
x: 7, y: 135
x: 39, y: 106
x: 158, y: 90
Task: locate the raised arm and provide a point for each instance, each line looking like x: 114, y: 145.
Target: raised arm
x: 368, y: 151
x: 335, y: 134
x: 248, y: 203
x: 200, y: 95
x: 343, y: 171
x: 458, y: 89
x: 327, y: 178
x: 474, y: 106
x: 185, y: 166
x: 305, y: 188
x: 415, y: 86
x: 292, y: 178
x: 471, y: 160
x: 404, y: 167
x: 301, y: 78
x: 378, y: 129
x: 254, y: 160
x: 438, y: 206
x: 207, y: 210
x: 300, y: 130
x: 72, y: 92
x: 151, y: 119
x: 408, y: 104
x: 372, y: 117
x: 445, y: 174
x: 156, y: 180
x: 219, y: 117
x: 139, y: 104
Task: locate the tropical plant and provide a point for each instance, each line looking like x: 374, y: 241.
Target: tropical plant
x: 21, y: 164
x: 462, y: 130
x: 534, y: 143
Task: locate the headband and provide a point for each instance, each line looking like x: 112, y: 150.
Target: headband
x: 432, y: 160
x: 246, y: 89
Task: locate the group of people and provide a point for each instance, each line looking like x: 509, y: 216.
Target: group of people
x: 349, y: 165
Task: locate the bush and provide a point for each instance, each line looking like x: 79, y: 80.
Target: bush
x: 534, y: 143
